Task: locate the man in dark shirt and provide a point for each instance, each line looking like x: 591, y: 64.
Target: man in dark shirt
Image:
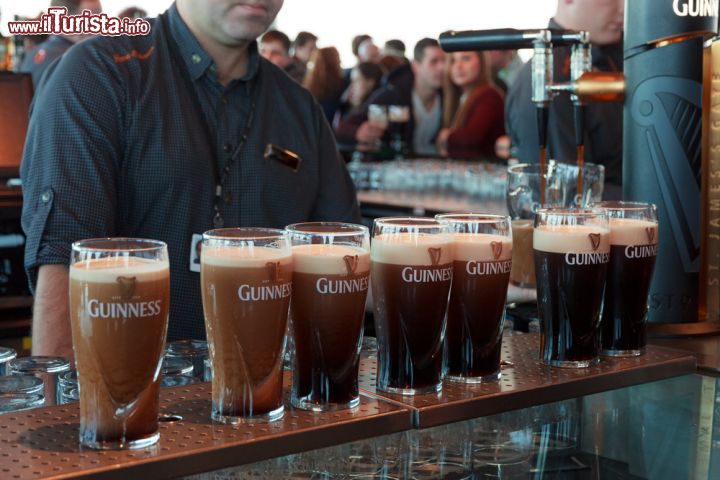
x: 603, y: 19
x: 42, y: 56
x: 416, y: 86
x: 163, y: 136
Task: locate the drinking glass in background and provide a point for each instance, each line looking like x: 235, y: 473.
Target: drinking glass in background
x: 177, y: 372
x: 330, y: 284
x: 67, y: 387
x: 572, y: 251
x: 378, y: 118
x: 633, y: 248
x: 246, y: 276
x: 482, y: 258
x: 6, y: 354
x: 523, y: 201
x: 398, y: 117
x: 412, y: 266
x: 119, y: 306
x: 195, y: 351
x: 20, y: 392
x: 45, y: 368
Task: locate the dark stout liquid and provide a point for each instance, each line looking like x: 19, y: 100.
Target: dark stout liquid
x: 632, y: 261
x: 328, y: 333
x: 477, y: 310
x: 569, y: 304
x: 410, y: 323
x: 246, y: 305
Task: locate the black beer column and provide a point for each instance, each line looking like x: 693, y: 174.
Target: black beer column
x: 662, y: 139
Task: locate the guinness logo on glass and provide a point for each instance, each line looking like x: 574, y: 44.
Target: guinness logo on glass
x: 594, y: 240
x: 435, y: 254
x: 650, y: 234
x: 351, y: 263
x: 273, y: 269
x: 497, y: 248
x: 127, y: 287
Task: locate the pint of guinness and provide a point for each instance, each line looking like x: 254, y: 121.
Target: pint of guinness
x: 246, y: 281
x: 572, y: 251
x: 633, y: 248
x: 330, y: 284
x: 119, y: 304
x: 482, y: 259
x: 412, y: 269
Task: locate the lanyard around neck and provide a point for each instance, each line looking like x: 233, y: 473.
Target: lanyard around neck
x: 221, y: 176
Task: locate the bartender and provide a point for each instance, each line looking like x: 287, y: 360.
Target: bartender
x: 166, y: 136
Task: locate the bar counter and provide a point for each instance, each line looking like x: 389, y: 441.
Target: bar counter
x: 530, y: 399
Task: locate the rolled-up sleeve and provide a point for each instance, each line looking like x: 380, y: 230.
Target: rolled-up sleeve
x: 72, y: 157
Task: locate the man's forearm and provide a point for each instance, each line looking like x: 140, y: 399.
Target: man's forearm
x: 51, y: 333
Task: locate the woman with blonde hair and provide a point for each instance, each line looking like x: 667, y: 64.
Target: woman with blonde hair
x: 325, y: 79
x: 474, y: 108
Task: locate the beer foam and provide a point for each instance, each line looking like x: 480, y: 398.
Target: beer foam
x: 567, y: 238
x: 481, y: 247
x: 324, y: 259
x: 244, y: 257
x: 106, y: 270
x: 411, y: 249
x: 631, y: 231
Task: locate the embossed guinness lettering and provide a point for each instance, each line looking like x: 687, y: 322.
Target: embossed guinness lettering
x: 488, y: 268
x: 98, y: 309
x: 326, y: 286
x: 415, y: 275
x: 695, y: 8
x: 249, y: 293
x: 586, y: 258
x: 640, y: 251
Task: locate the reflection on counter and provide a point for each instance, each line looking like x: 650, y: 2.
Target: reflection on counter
x: 663, y: 430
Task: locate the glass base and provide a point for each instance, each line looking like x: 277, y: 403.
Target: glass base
x: 572, y: 363
x: 494, y: 377
x: 272, y: 416
x: 324, y: 407
x: 144, y: 442
x: 623, y: 353
x: 412, y: 391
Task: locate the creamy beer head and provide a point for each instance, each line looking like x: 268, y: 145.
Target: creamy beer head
x: 327, y: 259
x: 571, y: 238
x: 630, y: 231
x: 244, y: 257
x: 481, y: 247
x: 108, y: 270
x: 418, y: 249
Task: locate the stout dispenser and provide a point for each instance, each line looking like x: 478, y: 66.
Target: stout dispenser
x: 662, y: 145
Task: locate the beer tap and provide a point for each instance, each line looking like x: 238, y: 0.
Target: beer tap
x: 584, y: 85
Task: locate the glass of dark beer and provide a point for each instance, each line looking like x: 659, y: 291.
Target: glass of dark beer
x: 633, y: 248
x: 330, y: 284
x: 482, y: 259
x: 412, y: 267
x: 246, y: 281
x: 119, y: 304
x: 572, y: 252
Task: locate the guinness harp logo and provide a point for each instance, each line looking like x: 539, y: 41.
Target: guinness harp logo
x: 435, y: 254
x: 497, y: 248
x: 650, y: 234
x: 127, y: 287
x: 351, y: 263
x: 273, y: 269
x: 594, y: 240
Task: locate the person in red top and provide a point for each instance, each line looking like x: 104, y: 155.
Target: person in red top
x: 474, y: 110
